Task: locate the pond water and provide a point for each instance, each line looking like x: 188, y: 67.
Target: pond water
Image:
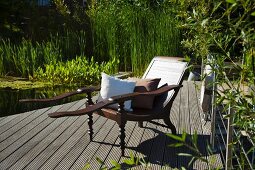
x: 9, y: 99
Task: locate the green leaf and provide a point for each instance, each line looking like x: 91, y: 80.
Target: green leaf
x: 253, y: 13
x: 176, y: 145
x: 116, y: 165
x: 87, y: 166
x: 194, y: 138
x: 99, y: 160
x: 191, y: 161
x: 185, y: 154
x: 231, y: 1
x: 182, y: 168
x: 129, y: 162
x: 184, y: 135
x: 175, y: 137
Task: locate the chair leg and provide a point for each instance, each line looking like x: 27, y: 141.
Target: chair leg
x: 140, y: 124
x: 90, y: 123
x: 170, y: 125
x: 122, y: 139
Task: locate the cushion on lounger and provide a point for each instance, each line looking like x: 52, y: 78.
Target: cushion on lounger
x: 111, y: 86
x: 145, y: 85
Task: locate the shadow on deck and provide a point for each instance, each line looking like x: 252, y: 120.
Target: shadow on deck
x: 32, y: 140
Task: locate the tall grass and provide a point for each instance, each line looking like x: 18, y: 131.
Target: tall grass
x: 133, y: 33
x: 24, y: 58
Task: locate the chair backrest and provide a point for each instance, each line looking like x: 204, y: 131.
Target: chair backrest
x: 169, y: 69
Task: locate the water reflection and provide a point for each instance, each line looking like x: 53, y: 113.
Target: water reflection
x: 9, y: 98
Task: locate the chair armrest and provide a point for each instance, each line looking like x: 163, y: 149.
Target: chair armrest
x: 130, y: 96
x: 113, y: 100
x: 87, y: 110
x: 64, y: 95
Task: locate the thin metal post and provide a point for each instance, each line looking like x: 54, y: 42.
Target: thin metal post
x: 229, y: 140
x: 213, y: 113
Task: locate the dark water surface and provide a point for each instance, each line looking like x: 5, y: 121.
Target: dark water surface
x: 9, y: 98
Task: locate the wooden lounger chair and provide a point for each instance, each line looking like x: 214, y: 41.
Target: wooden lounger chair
x: 169, y: 69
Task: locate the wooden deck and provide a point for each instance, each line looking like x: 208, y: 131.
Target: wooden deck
x: 32, y: 140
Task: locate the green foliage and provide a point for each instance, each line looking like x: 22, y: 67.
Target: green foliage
x: 133, y: 32
x: 23, y: 59
x: 77, y: 71
x: 131, y: 161
x: 190, y: 142
x: 226, y: 30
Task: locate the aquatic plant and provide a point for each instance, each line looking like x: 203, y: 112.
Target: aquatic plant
x: 133, y: 32
x: 24, y: 58
x: 79, y: 71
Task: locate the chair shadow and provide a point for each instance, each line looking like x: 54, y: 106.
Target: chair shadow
x: 170, y: 156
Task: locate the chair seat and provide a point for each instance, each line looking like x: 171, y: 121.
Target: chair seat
x: 135, y: 115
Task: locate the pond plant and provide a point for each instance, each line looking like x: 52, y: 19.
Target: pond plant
x: 131, y: 31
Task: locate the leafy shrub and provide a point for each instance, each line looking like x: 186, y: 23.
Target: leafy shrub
x: 77, y: 71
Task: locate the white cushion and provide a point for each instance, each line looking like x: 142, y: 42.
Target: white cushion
x: 111, y: 86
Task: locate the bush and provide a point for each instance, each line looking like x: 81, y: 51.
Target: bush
x: 79, y: 71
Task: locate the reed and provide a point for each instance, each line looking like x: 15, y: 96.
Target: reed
x: 133, y: 34
x: 24, y: 58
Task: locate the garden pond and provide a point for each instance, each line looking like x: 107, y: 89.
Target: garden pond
x: 9, y: 98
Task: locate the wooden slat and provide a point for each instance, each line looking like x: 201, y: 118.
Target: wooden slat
x: 9, y: 122
x: 196, y: 124
x: 134, y: 141
x: 158, y: 148
x: 80, y: 146
x: 170, y: 154
x: 130, y: 131
x: 6, y: 119
x: 31, y: 140
x: 16, y: 126
x: 7, y: 141
x: 48, y: 145
x: 115, y: 153
x: 146, y: 143
x: 93, y: 146
x: 15, y: 151
x: 105, y: 147
x: 67, y: 147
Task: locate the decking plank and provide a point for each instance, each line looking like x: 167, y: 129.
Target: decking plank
x: 158, y: 148
x: 15, y: 151
x: 35, y: 141
x: 175, y: 112
x: 184, y: 123
x: 93, y: 146
x: 184, y: 108
x: 42, y: 151
x: 19, y: 125
x: 197, y: 125
x: 67, y: 147
x: 9, y: 123
x: 115, y: 154
x: 105, y: 147
x: 6, y: 119
x: 27, y: 129
x: 146, y: 144
x: 130, y: 131
x: 134, y: 141
x: 80, y: 146
x: 170, y: 159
